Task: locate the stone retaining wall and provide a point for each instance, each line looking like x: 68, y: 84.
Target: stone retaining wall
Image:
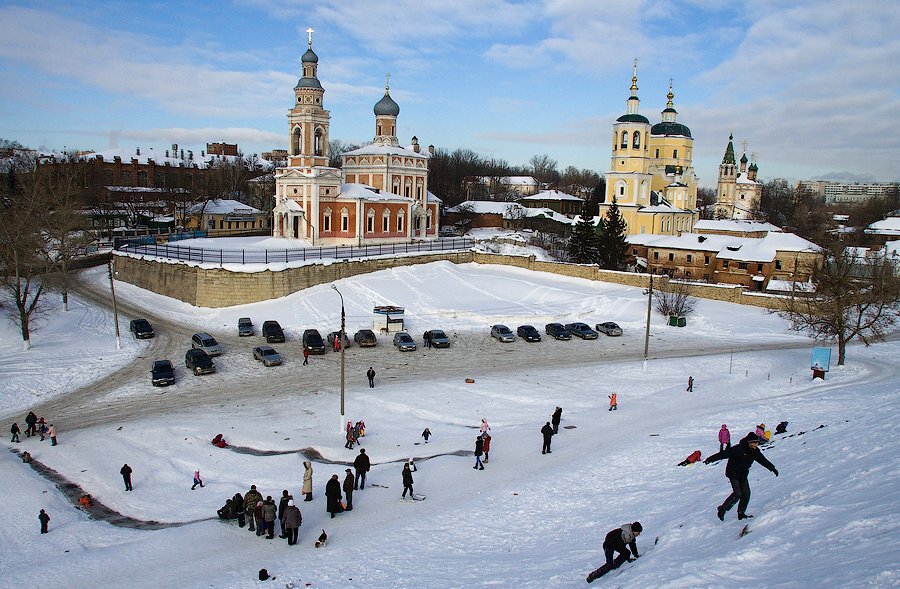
x: 216, y: 287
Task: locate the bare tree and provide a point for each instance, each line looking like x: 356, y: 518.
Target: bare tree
x: 515, y: 214
x: 852, y: 300
x: 543, y: 168
x: 673, y: 299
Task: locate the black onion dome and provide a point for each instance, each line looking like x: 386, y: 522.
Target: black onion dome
x: 386, y: 106
x: 633, y: 118
x: 309, y: 57
x: 670, y: 129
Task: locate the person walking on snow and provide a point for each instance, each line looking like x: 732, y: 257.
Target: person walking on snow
x: 30, y: 424
x: 618, y: 541
x: 250, y: 501
x: 125, y: 471
x: 41, y: 428
x: 350, y: 439
x: 740, y: 458
x: 479, y: 450
x: 724, y: 438
x: 547, y: 431
x: 45, y: 521
x: 52, y: 431
x: 307, y: 480
x: 348, y: 489
x: 408, y: 481
x: 484, y: 426
x: 555, y: 419
x: 291, y: 522
x: 197, y: 480
x: 14, y: 430
x: 362, y: 465
x: 613, y: 404
x: 487, y: 447
x: 305, y: 355
x: 370, y: 374
x: 270, y: 512
x: 333, y: 495
x: 690, y: 387
x: 426, y: 433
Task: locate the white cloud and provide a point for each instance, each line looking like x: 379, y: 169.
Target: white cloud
x: 201, y: 135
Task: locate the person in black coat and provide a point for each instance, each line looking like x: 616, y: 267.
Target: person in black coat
x: 282, y: 505
x: 30, y: 424
x: 125, y: 471
x: 45, y: 520
x: 14, y: 430
x: 333, y: 495
x: 239, y: 510
x: 547, y: 431
x: 479, y: 450
x: 408, y: 482
x: 618, y: 541
x: 740, y: 458
x: 362, y: 466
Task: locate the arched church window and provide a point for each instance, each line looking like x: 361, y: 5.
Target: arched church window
x: 647, y: 139
x: 379, y: 128
x: 636, y: 140
x: 142, y: 178
x: 295, y: 141
x: 345, y: 220
x: 326, y: 219
x: 624, y: 139
x: 419, y: 189
x: 656, y: 155
x: 407, y: 189
x: 370, y: 221
x: 401, y: 217
x: 396, y: 189
x: 428, y: 220
x: 320, y: 142
x: 675, y: 154
x: 621, y: 189
x: 386, y: 220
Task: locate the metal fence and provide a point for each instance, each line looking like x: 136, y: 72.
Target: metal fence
x: 268, y: 256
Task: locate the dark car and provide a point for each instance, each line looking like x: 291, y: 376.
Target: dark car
x: 582, y: 330
x: 313, y: 341
x: 502, y: 333
x: 609, y: 328
x: 557, y: 331
x: 272, y: 331
x: 404, y: 342
x: 245, y: 327
x: 528, y: 333
x: 141, y: 328
x: 199, y: 362
x: 267, y: 355
x: 336, y: 335
x: 365, y: 338
x: 437, y: 337
x: 162, y: 374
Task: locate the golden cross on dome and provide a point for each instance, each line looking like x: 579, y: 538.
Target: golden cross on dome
x: 309, y: 33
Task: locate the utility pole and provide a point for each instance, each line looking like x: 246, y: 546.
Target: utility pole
x: 647, y: 332
x: 112, y: 288
x: 342, y: 336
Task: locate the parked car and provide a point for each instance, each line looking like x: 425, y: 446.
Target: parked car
x: 162, y: 374
x: 199, y: 362
x: 528, y: 333
x: 404, y: 342
x: 365, y: 338
x: 337, y: 335
x: 313, y: 340
x: 502, y: 333
x: 207, y: 343
x: 609, y: 328
x: 141, y: 328
x: 438, y: 338
x: 271, y: 330
x: 267, y: 355
x: 557, y: 331
x: 245, y: 327
x: 582, y: 330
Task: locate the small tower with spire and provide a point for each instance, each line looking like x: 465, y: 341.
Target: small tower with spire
x: 386, y: 111
x: 308, y: 121
x: 726, y: 182
x: 628, y: 180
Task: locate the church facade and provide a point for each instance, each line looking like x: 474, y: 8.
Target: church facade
x: 651, y: 174
x: 737, y: 190
x: 379, y: 195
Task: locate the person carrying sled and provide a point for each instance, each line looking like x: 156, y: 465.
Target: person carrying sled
x: 724, y: 438
x: 740, y: 458
x: 691, y: 459
x: 618, y: 541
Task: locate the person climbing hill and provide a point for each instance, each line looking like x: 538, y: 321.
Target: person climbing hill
x: 740, y: 459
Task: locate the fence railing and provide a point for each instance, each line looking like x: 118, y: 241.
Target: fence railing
x: 266, y: 256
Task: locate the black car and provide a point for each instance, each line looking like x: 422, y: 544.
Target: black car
x: 199, y: 362
x: 557, y: 331
x: 162, y: 374
x: 528, y: 333
x: 582, y: 330
x: 365, y: 338
x: 245, y: 327
x: 437, y: 338
x: 313, y: 341
x: 141, y: 328
x: 271, y: 330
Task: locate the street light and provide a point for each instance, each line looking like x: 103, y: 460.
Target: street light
x: 649, y: 293
x: 112, y: 287
x: 343, y: 318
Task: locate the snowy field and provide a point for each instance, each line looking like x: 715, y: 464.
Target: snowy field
x: 527, y: 520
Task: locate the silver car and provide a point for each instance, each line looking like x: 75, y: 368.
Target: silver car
x: 609, y: 328
x: 267, y: 355
x: 502, y: 333
x: 207, y: 343
x: 404, y: 342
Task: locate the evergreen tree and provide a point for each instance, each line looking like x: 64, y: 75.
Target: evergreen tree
x: 612, y: 247
x: 583, y: 247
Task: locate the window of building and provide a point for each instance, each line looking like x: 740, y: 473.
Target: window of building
x: 401, y: 226
x: 759, y: 267
x: 386, y: 220
x: 675, y: 154
x: 320, y: 142
x: 706, y: 260
x: 742, y: 265
x: 671, y: 257
x: 688, y: 273
x: 706, y: 277
x: 636, y: 140
x: 407, y: 189
x: 778, y: 264
x: 690, y: 258
x: 624, y: 139
x: 295, y: 140
x: 326, y: 220
x: 211, y: 224
x: 656, y: 154
x: 428, y: 220
x: 634, y: 251
x: 370, y: 221
x: 724, y: 263
x: 655, y: 255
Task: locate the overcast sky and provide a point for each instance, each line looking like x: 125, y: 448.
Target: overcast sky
x: 811, y: 86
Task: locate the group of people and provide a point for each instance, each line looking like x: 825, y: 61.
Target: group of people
x: 261, y: 514
x: 34, y: 426
x: 354, y: 433
x: 550, y: 429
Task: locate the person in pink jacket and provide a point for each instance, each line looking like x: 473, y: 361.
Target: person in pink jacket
x: 724, y: 438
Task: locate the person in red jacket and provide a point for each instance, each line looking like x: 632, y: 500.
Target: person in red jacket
x: 487, y: 446
x: 613, y: 404
x: 691, y: 459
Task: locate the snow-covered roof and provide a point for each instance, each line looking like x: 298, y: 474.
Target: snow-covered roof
x: 160, y: 157
x: 663, y: 207
x: 742, y: 179
x: 548, y: 214
x: 889, y: 226
x: 512, y: 180
x: 484, y: 207
x: 734, y: 226
x: 381, y: 149
x: 892, y: 248
x: 145, y: 189
x: 729, y: 247
x: 431, y: 197
x: 790, y: 286
x: 363, y: 192
x: 552, y: 195
x: 224, y: 206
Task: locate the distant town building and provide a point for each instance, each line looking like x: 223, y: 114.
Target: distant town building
x: 884, y: 230
x: 224, y: 214
x: 222, y: 149
x: 651, y: 174
x: 562, y: 203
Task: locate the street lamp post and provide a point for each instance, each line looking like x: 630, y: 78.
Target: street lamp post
x: 647, y: 331
x: 342, y: 336
x: 112, y: 288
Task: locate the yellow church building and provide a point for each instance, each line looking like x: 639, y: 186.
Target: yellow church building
x: 651, y: 175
